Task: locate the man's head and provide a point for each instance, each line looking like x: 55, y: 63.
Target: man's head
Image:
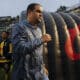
x: 5, y: 35
x: 34, y: 13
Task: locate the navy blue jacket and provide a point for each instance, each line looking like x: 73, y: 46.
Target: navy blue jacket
x: 28, y: 51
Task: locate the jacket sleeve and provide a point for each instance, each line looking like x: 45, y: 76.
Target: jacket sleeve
x: 21, y: 44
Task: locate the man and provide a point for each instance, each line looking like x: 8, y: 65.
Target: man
x: 5, y: 53
x: 28, y: 46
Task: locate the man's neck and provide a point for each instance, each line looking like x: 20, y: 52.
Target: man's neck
x: 4, y: 39
x: 32, y: 23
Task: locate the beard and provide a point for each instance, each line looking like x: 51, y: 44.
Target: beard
x: 39, y: 20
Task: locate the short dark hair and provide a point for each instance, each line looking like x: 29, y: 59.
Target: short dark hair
x: 31, y: 7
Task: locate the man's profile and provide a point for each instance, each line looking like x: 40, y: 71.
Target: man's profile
x: 28, y: 42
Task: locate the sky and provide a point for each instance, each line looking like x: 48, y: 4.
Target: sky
x: 15, y: 7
